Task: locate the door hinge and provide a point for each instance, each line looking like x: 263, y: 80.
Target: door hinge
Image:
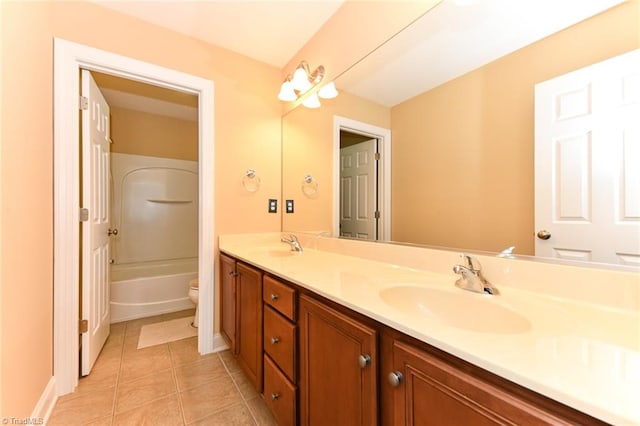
x: 377, y: 156
x: 84, y: 215
x: 83, y: 326
x: 377, y: 214
x: 84, y: 102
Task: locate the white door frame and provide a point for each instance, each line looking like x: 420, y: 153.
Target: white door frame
x: 69, y: 57
x: 384, y: 172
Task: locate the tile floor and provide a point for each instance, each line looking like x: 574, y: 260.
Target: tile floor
x: 168, y: 384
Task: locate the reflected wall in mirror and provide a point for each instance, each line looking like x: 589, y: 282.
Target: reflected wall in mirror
x: 462, y: 153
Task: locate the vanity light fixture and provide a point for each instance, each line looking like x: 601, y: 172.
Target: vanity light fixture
x: 302, y: 81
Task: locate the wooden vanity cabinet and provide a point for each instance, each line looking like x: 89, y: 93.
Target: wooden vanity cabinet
x: 330, y: 365
x: 241, y: 308
x: 338, y: 367
x: 280, y: 350
x: 426, y: 387
x: 228, y: 300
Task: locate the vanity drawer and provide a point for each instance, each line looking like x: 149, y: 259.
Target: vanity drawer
x: 280, y: 296
x: 280, y: 341
x: 279, y: 394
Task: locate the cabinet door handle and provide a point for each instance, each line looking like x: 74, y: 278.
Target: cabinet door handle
x: 274, y: 296
x: 275, y: 340
x: 364, y: 360
x: 275, y: 396
x: 395, y: 378
x: 233, y: 273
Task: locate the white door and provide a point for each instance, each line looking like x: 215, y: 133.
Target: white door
x: 95, y: 230
x: 587, y: 163
x: 358, y: 202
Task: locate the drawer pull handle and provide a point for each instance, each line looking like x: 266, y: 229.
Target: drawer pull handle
x: 274, y: 296
x: 275, y: 396
x: 275, y: 340
x: 364, y: 360
x: 395, y: 378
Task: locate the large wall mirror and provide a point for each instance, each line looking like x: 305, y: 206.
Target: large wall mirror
x: 455, y: 89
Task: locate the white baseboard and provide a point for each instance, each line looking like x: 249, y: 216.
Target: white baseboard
x: 47, y: 401
x: 219, y: 344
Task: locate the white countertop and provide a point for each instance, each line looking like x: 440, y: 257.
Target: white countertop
x: 581, y: 354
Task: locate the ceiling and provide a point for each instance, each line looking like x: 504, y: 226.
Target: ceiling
x: 270, y: 31
x: 454, y: 38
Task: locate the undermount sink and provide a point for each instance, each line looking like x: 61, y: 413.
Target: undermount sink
x: 473, y: 312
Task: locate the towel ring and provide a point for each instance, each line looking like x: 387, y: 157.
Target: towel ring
x: 309, y: 186
x: 251, y: 181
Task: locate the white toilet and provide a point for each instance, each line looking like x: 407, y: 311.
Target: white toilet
x: 193, y: 295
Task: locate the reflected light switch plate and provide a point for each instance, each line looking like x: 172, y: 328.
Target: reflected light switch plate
x: 273, y: 205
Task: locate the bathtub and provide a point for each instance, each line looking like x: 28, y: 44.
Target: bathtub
x: 151, y: 288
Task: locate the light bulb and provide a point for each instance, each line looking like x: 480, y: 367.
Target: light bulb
x: 300, y: 80
x: 328, y: 92
x: 287, y: 94
x: 312, y: 101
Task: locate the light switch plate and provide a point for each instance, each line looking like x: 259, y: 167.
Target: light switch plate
x: 273, y: 205
x: 289, y: 206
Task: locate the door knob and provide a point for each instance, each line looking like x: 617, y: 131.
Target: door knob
x: 275, y: 340
x: 395, y: 378
x: 274, y: 296
x: 544, y: 234
x: 275, y: 396
x: 113, y: 231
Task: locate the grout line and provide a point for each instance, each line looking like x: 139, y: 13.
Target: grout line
x: 242, y: 397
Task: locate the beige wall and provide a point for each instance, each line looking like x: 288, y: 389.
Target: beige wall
x: 141, y: 133
x: 462, y: 172
x: 307, y: 136
x: 247, y: 134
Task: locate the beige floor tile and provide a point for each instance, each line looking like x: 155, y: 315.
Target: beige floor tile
x: 198, y: 403
x: 104, y: 421
x: 161, y: 412
x: 141, y: 391
x: 185, y: 351
x: 83, y: 409
x: 246, y: 388
x: 109, y: 358
x: 229, y: 361
x: 199, y: 372
x: 179, y: 314
x: 260, y: 412
x: 102, y: 378
x: 234, y: 415
x: 118, y: 327
x: 142, y: 362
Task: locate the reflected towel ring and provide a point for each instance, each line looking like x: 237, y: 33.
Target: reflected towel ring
x: 309, y: 186
x: 251, y: 181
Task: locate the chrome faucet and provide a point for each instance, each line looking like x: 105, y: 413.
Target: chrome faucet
x: 471, y: 277
x: 293, y: 242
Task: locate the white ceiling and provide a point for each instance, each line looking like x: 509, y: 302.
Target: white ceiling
x: 269, y: 31
x: 454, y: 38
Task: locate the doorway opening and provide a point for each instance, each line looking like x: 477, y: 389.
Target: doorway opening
x: 139, y: 256
x: 362, y: 180
x: 69, y: 59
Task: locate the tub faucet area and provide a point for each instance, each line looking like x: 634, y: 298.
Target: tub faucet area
x: 293, y: 242
x: 471, y: 277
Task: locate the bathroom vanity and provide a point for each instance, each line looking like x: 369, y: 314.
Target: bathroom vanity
x: 334, y: 339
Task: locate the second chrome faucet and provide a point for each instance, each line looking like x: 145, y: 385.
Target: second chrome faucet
x: 471, y: 277
x: 293, y: 242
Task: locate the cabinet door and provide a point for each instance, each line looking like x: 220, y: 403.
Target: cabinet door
x: 228, y: 300
x: 334, y: 388
x: 433, y: 392
x: 249, y: 325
